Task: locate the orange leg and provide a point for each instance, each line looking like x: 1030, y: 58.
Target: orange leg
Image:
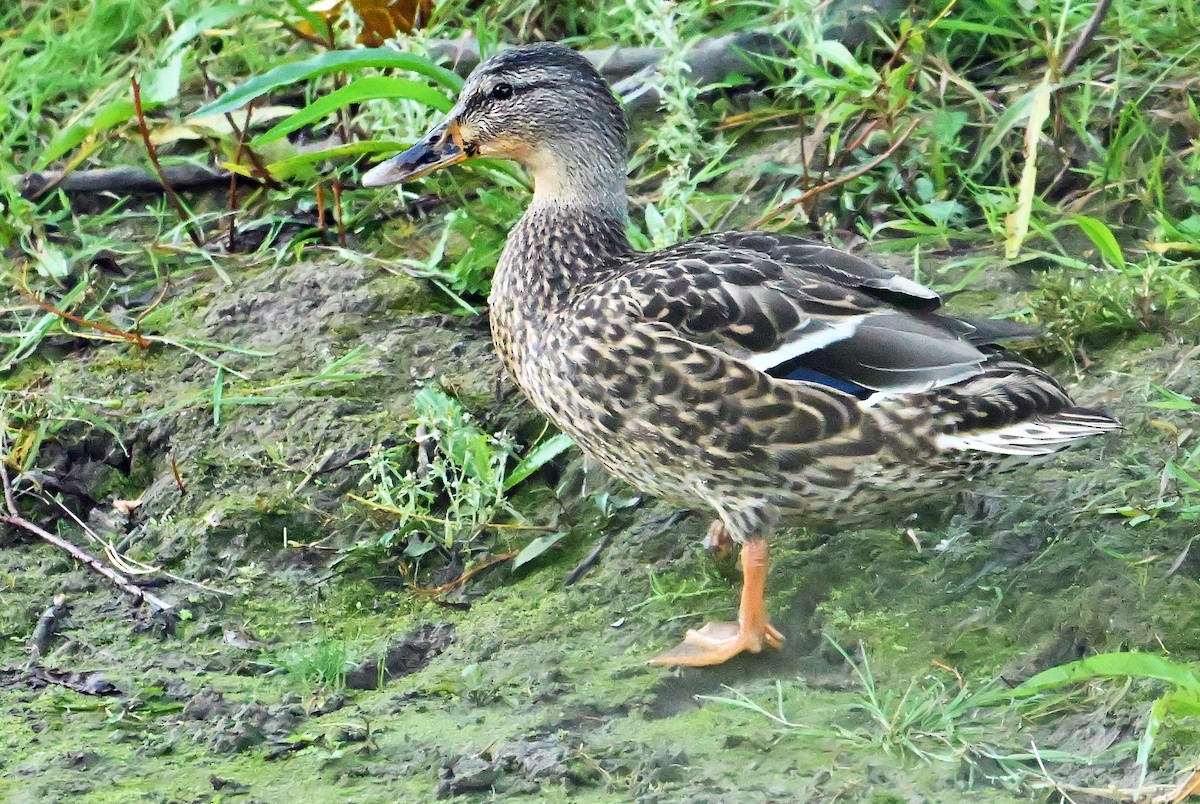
x: 717, y: 642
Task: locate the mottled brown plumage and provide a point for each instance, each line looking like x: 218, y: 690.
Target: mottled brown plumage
x: 755, y: 375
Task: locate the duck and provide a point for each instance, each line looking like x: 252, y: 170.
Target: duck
x: 762, y: 377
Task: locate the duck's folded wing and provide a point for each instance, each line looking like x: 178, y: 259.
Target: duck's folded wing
x: 823, y: 316
x: 835, y: 265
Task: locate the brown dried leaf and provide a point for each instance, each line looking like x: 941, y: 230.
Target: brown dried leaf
x: 1188, y: 788
x: 382, y: 19
x: 215, y: 126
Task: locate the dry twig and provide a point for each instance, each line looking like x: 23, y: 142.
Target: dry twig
x: 1085, y: 38
x: 120, y: 180
x: 134, y: 337
x: 466, y: 576
x: 188, y: 224
x: 12, y: 516
x: 257, y: 167
x: 840, y: 180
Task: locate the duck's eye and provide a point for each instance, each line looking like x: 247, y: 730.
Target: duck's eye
x: 502, y: 91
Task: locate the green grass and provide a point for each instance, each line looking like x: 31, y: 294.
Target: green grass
x: 1088, y: 211
x: 932, y: 720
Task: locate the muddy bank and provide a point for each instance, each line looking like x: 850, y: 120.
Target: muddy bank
x: 303, y: 666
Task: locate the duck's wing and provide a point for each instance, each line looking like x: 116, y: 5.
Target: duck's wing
x: 802, y: 311
x: 835, y: 265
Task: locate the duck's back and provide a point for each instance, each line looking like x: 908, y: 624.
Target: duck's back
x: 748, y: 363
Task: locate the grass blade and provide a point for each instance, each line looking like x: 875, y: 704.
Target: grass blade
x: 1017, y: 222
x: 536, y: 458
x: 1103, y: 238
x: 332, y: 61
x: 364, y: 89
x: 1113, y: 665
x: 218, y: 393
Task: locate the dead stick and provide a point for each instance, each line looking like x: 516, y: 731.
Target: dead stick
x: 343, y: 125
x: 178, y: 477
x: 14, y: 518
x: 1085, y: 38
x: 134, y: 337
x: 320, y: 208
x: 185, y: 219
x: 241, y: 135
x: 337, y: 211
x: 119, y: 180
x: 840, y: 180
x: 299, y: 34
x: 466, y: 576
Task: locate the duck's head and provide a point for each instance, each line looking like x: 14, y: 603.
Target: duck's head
x: 542, y: 105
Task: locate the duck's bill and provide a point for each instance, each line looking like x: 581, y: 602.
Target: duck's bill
x: 439, y: 148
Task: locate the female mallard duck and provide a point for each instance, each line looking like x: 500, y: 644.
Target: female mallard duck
x: 757, y: 375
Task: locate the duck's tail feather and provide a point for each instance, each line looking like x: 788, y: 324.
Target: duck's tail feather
x: 1043, y: 435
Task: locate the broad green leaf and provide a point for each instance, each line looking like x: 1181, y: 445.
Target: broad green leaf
x: 328, y: 62
x: 302, y: 164
x: 361, y: 90
x: 107, y: 116
x: 162, y: 85
x: 1103, y: 238
x: 1174, y: 401
x: 1113, y: 665
x: 837, y: 54
x: 317, y: 24
x: 1183, y: 475
x: 50, y: 262
x: 536, y: 458
x: 536, y: 547
x: 218, y: 393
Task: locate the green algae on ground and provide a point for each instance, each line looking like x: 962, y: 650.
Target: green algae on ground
x: 307, y: 669
x: 541, y: 689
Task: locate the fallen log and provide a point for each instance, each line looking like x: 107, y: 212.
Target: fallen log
x: 629, y: 69
x: 123, y: 179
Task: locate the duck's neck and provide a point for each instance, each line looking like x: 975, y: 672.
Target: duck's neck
x: 571, y: 234
x: 587, y: 176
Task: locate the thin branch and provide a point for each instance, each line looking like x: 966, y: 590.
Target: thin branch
x: 135, y: 337
x: 232, y: 198
x: 257, y: 168
x: 466, y: 576
x: 120, y: 180
x: 337, y: 211
x: 1085, y: 38
x: 321, y: 208
x: 178, y: 477
x: 13, y: 517
x: 840, y: 180
x: 302, y: 35
x: 188, y: 224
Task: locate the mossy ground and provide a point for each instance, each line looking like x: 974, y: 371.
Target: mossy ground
x: 1007, y: 578
x: 305, y: 666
